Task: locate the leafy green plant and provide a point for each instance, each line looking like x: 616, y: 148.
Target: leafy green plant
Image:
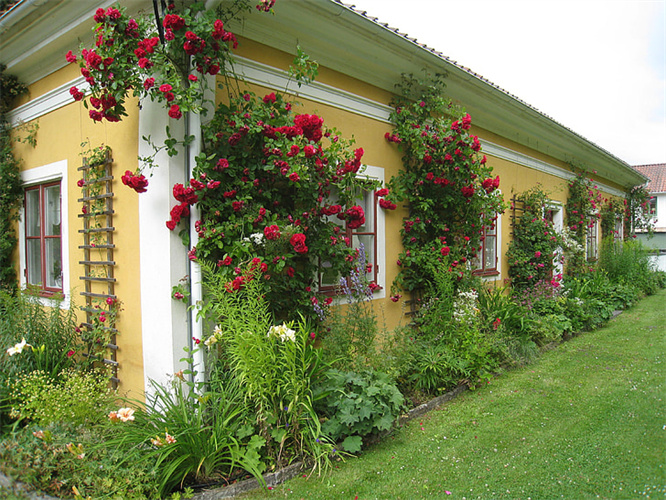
x: 66, y: 460
x: 349, y: 330
x: 276, y: 365
x: 75, y: 396
x: 49, y: 335
x: 357, y: 404
x: 190, y: 434
x: 629, y: 263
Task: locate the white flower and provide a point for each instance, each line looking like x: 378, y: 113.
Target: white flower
x: 256, y: 238
x: 125, y: 414
x: 283, y: 331
x: 18, y: 348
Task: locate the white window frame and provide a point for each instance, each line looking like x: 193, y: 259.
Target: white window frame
x: 497, y: 273
x: 557, y: 209
x: 375, y: 173
x: 588, y: 236
x: 53, y: 172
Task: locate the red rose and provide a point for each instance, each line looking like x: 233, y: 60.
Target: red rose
x: 174, y: 112
x: 298, y: 242
x: 76, y: 93
x: 386, y: 204
x: 136, y: 182
x: 272, y: 232
x: 269, y: 98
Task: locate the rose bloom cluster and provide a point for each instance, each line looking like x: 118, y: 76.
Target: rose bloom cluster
x: 129, y: 57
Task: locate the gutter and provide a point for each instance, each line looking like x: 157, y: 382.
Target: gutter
x: 18, y: 12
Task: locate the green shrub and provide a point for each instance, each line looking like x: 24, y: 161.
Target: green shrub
x: 356, y: 405
x: 349, y: 331
x: 76, y: 397
x: 60, y: 457
x: 629, y: 263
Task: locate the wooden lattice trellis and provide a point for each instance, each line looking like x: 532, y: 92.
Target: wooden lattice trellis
x: 98, y: 260
x: 517, y: 209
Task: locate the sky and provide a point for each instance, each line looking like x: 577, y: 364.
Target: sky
x: 597, y: 67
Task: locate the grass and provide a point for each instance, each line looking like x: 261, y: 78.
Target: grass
x: 587, y: 420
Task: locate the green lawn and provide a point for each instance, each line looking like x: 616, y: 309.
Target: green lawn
x: 587, y: 420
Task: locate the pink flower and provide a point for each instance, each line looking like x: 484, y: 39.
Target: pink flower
x: 537, y: 254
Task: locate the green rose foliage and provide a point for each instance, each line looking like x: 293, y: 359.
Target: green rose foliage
x: 275, y: 190
x: 449, y: 188
x: 638, y: 214
x: 534, y: 244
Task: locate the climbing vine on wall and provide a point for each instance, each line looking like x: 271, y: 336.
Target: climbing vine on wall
x: 534, y: 244
x: 638, y: 215
x: 447, y: 184
x: 11, y: 191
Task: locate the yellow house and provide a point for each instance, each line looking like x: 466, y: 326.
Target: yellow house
x: 360, y: 61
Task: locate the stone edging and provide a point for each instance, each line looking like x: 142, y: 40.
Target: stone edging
x: 15, y: 487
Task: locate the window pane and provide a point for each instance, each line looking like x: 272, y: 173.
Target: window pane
x: 34, y: 261
x: 32, y: 212
x: 368, y: 242
x: 328, y: 277
x: 490, y: 244
x: 53, y: 263
x: 52, y: 210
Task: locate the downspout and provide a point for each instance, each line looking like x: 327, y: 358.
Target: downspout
x: 193, y: 127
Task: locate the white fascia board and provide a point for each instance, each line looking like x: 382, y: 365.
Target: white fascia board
x: 527, y: 161
x: 268, y: 76
x: 50, y: 101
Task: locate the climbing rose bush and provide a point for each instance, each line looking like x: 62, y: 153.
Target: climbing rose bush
x: 166, y: 61
x: 448, y: 185
x: 276, y: 189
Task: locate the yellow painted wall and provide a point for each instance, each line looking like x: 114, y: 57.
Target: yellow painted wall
x: 59, y: 137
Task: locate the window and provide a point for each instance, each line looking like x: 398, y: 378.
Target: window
x: 653, y: 207
x: 43, y: 237
x: 591, y: 242
x: 619, y: 228
x: 485, y: 263
x: 370, y: 235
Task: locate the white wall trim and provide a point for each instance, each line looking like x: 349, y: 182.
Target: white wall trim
x: 512, y: 156
x: 262, y: 74
x: 54, y: 99
x: 40, y: 175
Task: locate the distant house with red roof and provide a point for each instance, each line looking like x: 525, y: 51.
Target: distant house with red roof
x: 657, y: 188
